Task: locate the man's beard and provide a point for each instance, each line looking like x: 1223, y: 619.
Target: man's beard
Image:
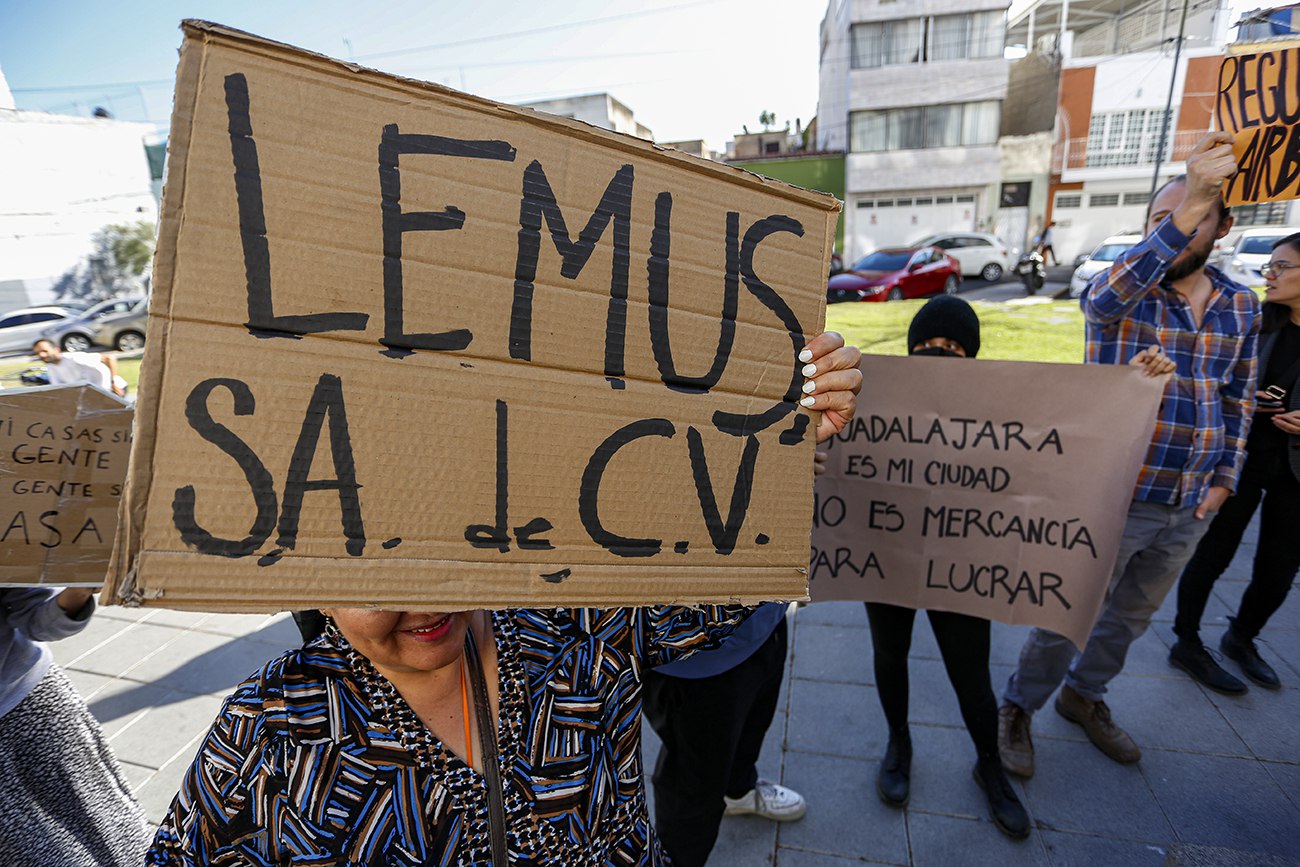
x: 1181, y: 268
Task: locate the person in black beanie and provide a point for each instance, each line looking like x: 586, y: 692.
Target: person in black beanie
x: 945, y: 326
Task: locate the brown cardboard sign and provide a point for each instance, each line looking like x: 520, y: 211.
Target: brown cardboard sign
x: 992, y: 488
x: 412, y: 348
x: 65, y: 450
x: 1259, y: 103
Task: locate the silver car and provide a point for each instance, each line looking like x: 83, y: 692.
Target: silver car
x: 76, y: 334
x: 123, y: 331
x: 19, y: 329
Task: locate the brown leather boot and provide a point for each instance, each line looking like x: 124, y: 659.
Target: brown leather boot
x: 1094, y: 716
x: 1015, y: 747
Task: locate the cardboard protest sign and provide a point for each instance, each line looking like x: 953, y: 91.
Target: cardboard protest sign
x: 1259, y: 103
x: 412, y: 348
x: 992, y: 488
x: 65, y: 450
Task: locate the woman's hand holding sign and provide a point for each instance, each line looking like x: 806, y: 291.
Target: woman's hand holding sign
x: 833, y: 381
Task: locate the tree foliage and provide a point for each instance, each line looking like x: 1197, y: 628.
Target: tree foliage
x: 119, y: 263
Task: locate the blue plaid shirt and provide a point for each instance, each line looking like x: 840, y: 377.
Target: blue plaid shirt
x: 1200, y: 435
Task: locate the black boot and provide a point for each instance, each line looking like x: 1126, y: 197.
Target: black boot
x: 894, y: 780
x: 1241, y: 650
x: 1004, y: 807
x: 1194, y: 659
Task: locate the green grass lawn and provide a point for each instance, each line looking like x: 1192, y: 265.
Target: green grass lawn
x: 1040, y: 330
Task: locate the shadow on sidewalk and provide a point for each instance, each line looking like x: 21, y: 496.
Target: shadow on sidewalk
x: 215, y: 671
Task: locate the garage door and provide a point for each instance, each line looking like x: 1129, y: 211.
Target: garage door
x: 890, y: 222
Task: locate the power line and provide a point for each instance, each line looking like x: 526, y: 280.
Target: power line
x: 535, y: 30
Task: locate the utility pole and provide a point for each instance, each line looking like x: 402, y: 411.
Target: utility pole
x: 1169, y: 101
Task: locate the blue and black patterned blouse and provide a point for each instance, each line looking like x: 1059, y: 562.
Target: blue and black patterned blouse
x: 317, y: 760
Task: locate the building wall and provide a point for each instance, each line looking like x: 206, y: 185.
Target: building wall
x: 597, y: 109
x: 62, y: 180
x: 919, y: 187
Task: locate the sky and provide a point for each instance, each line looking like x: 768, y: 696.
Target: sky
x: 687, y: 68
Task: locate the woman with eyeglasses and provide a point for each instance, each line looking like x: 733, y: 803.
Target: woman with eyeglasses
x: 1271, y: 475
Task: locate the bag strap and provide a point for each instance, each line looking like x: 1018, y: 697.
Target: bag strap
x: 491, y: 759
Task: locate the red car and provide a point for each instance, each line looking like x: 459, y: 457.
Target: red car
x: 896, y: 273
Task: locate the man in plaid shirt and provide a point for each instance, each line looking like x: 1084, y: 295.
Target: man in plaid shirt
x: 1158, y: 296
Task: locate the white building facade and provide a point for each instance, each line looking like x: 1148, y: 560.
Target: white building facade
x: 63, y: 180
x: 912, y: 90
x: 597, y: 109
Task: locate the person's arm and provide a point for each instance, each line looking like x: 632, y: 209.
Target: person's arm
x: 1111, y: 294
x: 47, y: 614
x: 1238, y: 398
x: 111, y: 363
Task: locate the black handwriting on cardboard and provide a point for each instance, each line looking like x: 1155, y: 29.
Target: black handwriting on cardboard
x: 326, y: 401
x: 497, y: 534
x: 17, y: 530
x: 538, y: 203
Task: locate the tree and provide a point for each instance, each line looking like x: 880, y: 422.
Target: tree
x: 766, y: 118
x: 119, y: 263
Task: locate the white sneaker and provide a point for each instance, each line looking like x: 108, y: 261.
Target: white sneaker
x: 769, y: 800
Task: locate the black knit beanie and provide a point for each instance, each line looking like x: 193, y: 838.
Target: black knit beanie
x: 946, y: 316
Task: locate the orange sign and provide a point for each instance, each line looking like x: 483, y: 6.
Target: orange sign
x: 1258, y: 101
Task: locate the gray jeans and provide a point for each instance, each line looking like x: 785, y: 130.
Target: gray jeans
x: 1158, y: 541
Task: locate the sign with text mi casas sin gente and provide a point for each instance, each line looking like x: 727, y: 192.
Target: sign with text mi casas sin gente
x: 64, y: 450
x: 997, y: 489
x: 412, y: 348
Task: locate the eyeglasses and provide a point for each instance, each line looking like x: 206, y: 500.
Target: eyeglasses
x: 1274, y: 270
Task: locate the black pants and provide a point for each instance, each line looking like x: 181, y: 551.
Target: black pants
x: 1277, y: 555
x: 712, y: 729
x: 964, y: 645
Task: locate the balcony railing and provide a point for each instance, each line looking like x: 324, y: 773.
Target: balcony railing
x: 1074, y: 153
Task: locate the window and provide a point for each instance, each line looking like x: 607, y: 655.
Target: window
x: 1068, y: 200
x: 943, y: 200
x: 1137, y: 198
x: 771, y: 147
x: 43, y: 317
x: 958, y: 37
x: 1103, y: 200
x: 930, y: 39
x: 1266, y: 214
x: 1125, y: 138
x: 965, y: 200
x: 886, y: 43
x: 943, y: 125
x: 925, y: 201
x: 903, y: 203
x: 10, y: 321
x: 931, y: 126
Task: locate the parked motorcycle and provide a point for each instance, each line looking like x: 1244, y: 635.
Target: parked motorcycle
x: 1032, y: 271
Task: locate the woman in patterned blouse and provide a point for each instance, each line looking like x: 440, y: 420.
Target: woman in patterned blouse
x: 363, y: 746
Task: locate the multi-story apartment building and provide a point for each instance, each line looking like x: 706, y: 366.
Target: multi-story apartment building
x: 1117, y: 67
x: 913, y: 90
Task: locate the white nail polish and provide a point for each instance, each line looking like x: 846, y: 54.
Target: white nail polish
x: 810, y: 370
x: 806, y: 355
x: 808, y: 401
x: 809, y: 387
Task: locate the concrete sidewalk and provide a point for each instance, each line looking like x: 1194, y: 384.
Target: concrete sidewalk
x: 1216, y: 771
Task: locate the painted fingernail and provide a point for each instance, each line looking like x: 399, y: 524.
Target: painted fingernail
x: 808, y: 401
x: 810, y: 370
x: 806, y: 355
x: 809, y: 387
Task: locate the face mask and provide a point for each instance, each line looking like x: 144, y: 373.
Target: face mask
x: 937, y: 351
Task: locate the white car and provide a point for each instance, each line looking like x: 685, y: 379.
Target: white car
x: 1099, y: 260
x: 1242, y: 261
x: 19, y: 329
x: 982, y: 255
